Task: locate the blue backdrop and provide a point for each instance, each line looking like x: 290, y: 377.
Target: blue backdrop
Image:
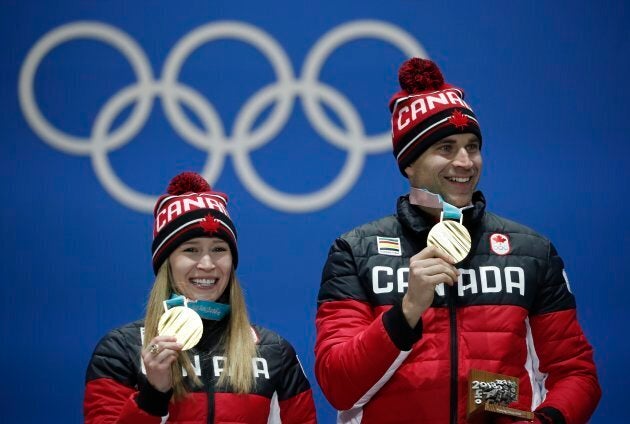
x: 283, y: 105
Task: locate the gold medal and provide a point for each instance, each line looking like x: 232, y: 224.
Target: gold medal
x: 450, y: 237
x: 183, y: 323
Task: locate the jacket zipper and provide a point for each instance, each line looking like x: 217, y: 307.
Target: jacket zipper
x: 454, y: 369
x: 211, y: 406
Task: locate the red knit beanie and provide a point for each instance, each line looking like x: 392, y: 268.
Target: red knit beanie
x: 426, y: 110
x: 190, y: 209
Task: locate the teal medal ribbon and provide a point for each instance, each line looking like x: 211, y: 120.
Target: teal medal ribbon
x: 423, y: 197
x: 206, y: 309
x: 450, y: 212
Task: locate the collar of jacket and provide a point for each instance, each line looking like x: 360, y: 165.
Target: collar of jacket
x: 418, y: 221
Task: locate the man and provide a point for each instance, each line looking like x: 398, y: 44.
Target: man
x: 400, y: 324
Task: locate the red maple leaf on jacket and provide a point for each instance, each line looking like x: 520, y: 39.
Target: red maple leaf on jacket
x: 209, y: 224
x: 459, y: 120
x: 499, y: 238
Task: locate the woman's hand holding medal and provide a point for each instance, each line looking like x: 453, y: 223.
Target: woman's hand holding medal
x: 158, y: 356
x: 428, y: 268
x: 180, y: 328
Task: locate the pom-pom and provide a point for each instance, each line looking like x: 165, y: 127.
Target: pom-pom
x: 417, y: 75
x: 187, y: 182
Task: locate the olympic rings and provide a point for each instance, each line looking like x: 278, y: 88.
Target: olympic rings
x: 213, y: 139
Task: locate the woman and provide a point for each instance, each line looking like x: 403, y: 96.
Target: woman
x: 236, y: 373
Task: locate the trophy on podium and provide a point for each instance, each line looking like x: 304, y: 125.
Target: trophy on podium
x: 490, y: 394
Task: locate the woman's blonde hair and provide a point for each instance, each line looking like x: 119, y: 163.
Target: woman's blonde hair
x: 238, y: 341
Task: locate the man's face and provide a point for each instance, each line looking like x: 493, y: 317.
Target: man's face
x: 451, y: 167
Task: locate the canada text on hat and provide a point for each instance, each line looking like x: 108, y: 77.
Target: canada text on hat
x: 190, y: 209
x: 426, y: 110
x: 178, y: 205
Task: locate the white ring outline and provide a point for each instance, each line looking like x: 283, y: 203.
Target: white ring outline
x: 323, y: 49
x: 310, y: 201
x: 114, y: 185
x: 214, y: 141
x: 91, y: 30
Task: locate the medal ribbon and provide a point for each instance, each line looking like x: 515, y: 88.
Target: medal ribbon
x: 206, y: 309
x: 423, y: 197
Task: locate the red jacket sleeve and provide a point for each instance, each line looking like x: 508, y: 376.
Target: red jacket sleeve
x: 295, y: 396
x: 565, y: 358
x: 112, y: 386
x: 109, y: 402
x: 299, y: 409
x: 354, y: 352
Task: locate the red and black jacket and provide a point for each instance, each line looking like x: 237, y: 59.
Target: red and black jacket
x: 511, y: 312
x: 117, y: 391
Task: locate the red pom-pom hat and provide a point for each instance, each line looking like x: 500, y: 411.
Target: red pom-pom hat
x: 426, y: 110
x: 190, y: 209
